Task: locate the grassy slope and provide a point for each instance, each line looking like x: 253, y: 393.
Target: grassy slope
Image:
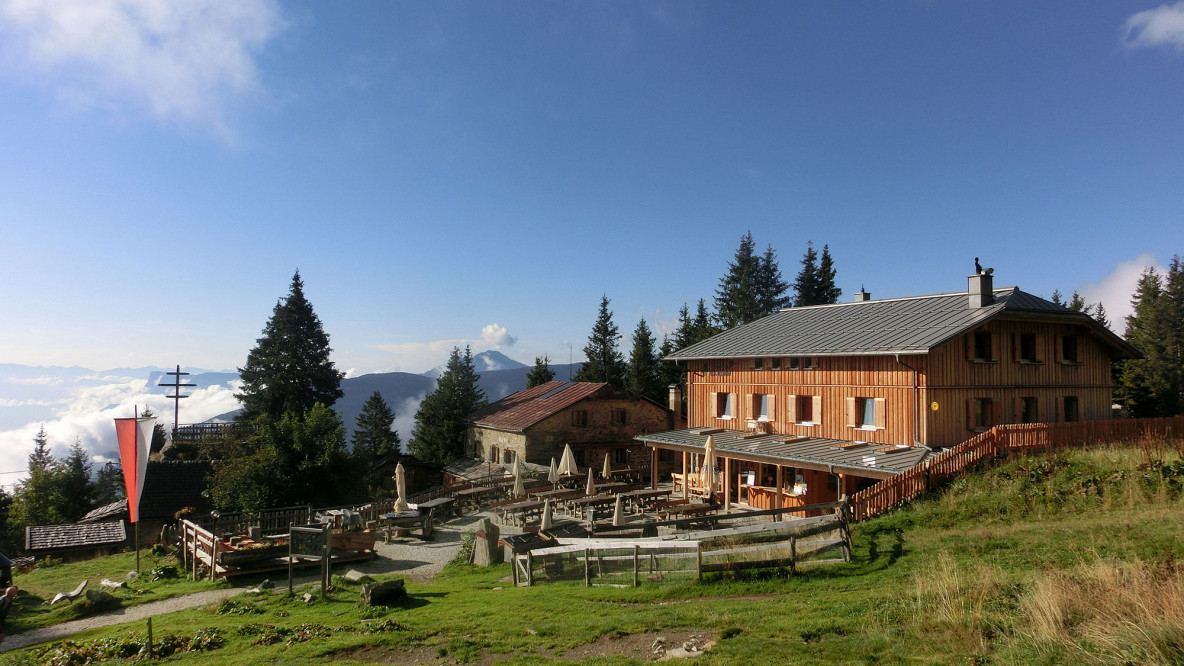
x: 1029, y: 562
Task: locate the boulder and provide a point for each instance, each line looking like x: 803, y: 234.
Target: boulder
x: 386, y: 593
x: 486, y: 551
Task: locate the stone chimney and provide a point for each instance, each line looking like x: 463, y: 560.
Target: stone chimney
x: 981, y: 289
x: 861, y: 295
x: 675, y: 400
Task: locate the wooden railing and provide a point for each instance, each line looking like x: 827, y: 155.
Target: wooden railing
x: 997, y: 441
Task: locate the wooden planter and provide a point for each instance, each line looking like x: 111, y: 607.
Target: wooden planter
x: 244, y: 557
x: 352, y: 542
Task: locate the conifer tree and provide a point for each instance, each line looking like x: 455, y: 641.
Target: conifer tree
x: 644, y: 376
x: 1152, y: 385
x: 772, y: 290
x: 828, y: 291
x: 75, y: 491
x: 34, y: 499
x: 738, y: 297
x: 441, y: 422
x: 604, y: 363
x: 541, y: 373
x: 807, y: 283
x: 289, y: 369
x: 374, y: 438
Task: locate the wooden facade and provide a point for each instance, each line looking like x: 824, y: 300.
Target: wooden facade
x: 937, y: 399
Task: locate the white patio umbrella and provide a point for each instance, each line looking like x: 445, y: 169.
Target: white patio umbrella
x: 519, y: 487
x: 553, y: 473
x: 619, y: 512
x: 547, y: 516
x: 591, y: 489
x: 567, y: 464
x: 707, y: 472
x: 401, y: 488
x: 608, y: 468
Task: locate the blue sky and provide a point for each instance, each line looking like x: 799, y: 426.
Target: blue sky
x: 481, y: 173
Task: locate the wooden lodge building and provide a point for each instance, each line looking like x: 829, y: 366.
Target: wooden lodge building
x: 810, y: 403
x: 596, y: 419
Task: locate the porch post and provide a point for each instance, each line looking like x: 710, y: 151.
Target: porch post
x: 727, y: 484
x: 685, y: 479
x: 654, y: 468
x: 780, y: 485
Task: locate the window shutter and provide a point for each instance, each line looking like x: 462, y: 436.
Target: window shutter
x: 792, y: 409
x: 970, y: 422
x: 1060, y: 410
x: 1016, y: 346
x: 715, y: 403
x: 990, y: 409
x: 752, y: 406
x: 816, y: 417
x: 969, y: 338
x: 881, y: 417
x: 995, y: 344
x: 851, y: 418
x: 1017, y: 406
x: 772, y: 407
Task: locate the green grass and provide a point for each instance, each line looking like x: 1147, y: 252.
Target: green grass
x: 1053, y: 559
x: 38, y: 587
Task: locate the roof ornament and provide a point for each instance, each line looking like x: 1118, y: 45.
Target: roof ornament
x: 979, y: 270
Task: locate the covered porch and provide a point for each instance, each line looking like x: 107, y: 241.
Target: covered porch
x: 773, y: 471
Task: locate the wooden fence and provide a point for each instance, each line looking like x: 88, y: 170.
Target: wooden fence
x: 1001, y: 440
x: 624, y: 562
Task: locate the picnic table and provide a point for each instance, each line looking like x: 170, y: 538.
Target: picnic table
x: 518, y: 513
x: 441, y: 508
x: 688, y: 510
x: 557, y: 495
x: 472, y: 497
x: 406, y: 520
x: 639, y: 500
x: 577, y: 506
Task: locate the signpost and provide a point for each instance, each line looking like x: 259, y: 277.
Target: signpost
x: 309, y: 543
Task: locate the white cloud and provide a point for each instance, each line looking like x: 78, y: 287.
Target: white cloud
x: 182, y: 62
x: 497, y: 336
x: 1115, y: 290
x: 89, y: 416
x: 1162, y: 26
x: 421, y: 356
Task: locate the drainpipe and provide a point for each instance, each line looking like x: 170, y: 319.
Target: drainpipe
x: 916, y: 440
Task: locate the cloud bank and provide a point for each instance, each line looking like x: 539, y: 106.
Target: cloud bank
x: 1162, y: 26
x: 497, y: 336
x: 1115, y: 290
x: 182, y: 62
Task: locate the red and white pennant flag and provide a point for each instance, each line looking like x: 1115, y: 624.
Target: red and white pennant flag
x: 134, y: 436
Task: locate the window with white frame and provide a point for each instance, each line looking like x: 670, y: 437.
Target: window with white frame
x: 804, y: 409
x: 762, y: 407
x: 866, y: 413
x: 724, y: 405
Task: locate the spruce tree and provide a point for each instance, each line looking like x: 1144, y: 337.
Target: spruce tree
x: 808, y: 286
x: 75, y: 491
x: 1151, y: 385
x: 374, y: 438
x: 604, y: 363
x: 828, y: 291
x: 541, y: 373
x: 738, y: 297
x: 644, y: 376
x: 772, y: 290
x: 289, y: 369
x: 441, y: 422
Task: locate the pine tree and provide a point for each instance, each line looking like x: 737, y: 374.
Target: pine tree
x: 772, y: 291
x: 75, y: 492
x: 34, y: 499
x: 604, y: 363
x: 828, y: 291
x: 158, y: 436
x: 738, y: 297
x: 541, y: 373
x: 108, y: 486
x: 1151, y: 385
x: 644, y: 376
x: 289, y: 369
x: 441, y: 422
x: 375, y: 438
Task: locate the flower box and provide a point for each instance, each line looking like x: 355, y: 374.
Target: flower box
x: 352, y: 542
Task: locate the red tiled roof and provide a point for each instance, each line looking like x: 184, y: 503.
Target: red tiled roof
x: 519, y: 411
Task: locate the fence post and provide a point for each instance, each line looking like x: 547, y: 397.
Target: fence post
x: 793, y: 554
x: 636, y: 565
x: 699, y: 560
x: 213, y: 555
x: 587, y: 568
x: 529, y: 569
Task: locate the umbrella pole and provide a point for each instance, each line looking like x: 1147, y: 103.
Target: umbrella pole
x: 137, y: 538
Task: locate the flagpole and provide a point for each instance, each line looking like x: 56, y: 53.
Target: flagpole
x: 136, y: 414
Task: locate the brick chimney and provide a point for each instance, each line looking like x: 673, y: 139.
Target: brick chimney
x: 981, y: 289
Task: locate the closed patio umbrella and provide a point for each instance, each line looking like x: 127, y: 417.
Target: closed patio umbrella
x: 553, y: 473
x: 591, y: 489
x: 707, y: 472
x: 547, y: 517
x: 619, y: 512
x: 608, y: 468
x: 401, y: 488
x: 567, y: 464
x: 519, y: 487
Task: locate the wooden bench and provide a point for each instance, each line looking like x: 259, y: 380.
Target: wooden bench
x: 392, y: 523
x: 441, y: 508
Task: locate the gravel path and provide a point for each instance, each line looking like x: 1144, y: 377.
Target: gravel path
x: 416, y: 559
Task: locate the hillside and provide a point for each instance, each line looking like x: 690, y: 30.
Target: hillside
x: 1053, y: 559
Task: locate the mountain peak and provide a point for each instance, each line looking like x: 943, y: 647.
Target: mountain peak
x: 486, y: 361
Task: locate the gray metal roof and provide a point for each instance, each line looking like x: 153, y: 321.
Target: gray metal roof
x: 914, y: 325
x: 877, y: 460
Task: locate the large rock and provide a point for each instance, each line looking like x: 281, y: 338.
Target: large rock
x: 386, y: 593
x: 486, y: 552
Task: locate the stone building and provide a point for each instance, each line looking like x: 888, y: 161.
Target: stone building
x: 597, y: 420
